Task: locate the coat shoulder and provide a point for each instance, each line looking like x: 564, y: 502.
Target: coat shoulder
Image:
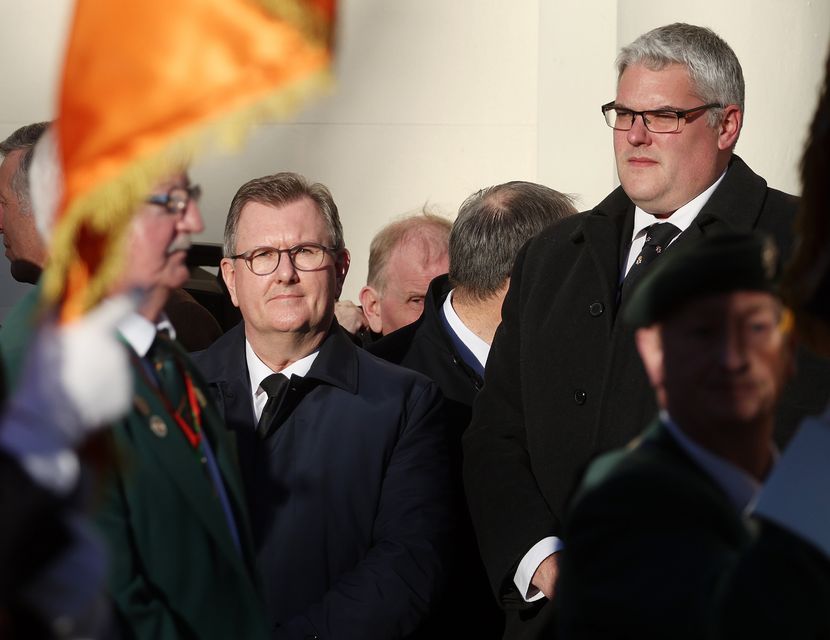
x: 377, y: 371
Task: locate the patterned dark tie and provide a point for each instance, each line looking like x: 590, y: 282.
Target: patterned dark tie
x: 658, y: 237
x: 161, y: 355
x: 276, y: 386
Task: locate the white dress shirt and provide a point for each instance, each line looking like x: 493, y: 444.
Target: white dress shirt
x: 478, y: 347
x: 258, y: 371
x: 681, y: 219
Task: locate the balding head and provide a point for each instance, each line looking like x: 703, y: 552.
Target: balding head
x: 403, y: 258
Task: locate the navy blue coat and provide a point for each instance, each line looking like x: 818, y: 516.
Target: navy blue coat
x: 349, y: 497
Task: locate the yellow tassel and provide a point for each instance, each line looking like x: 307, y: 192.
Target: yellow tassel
x: 108, y: 209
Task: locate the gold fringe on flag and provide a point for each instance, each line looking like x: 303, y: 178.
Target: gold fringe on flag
x: 147, y: 87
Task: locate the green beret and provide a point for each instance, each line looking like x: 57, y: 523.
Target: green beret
x: 710, y: 265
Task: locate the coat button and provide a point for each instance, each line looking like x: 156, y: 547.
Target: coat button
x: 580, y: 396
x: 596, y: 309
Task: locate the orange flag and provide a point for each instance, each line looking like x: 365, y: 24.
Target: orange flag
x: 148, y: 85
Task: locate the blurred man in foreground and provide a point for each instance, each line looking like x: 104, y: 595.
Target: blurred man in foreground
x: 656, y: 544
x: 172, y: 510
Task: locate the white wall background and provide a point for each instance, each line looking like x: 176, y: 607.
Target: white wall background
x: 436, y: 99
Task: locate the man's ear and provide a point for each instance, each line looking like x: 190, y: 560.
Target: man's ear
x: 370, y: 301
x: 650, y: 346
x: 229, y: 276
x: 730, y: 127
x: 341, y: 267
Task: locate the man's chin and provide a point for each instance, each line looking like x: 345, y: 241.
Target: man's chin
x: 25, y: 271
x: 177, y: 276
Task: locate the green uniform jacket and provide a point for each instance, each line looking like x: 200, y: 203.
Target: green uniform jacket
x: 176, y: 572
x: 655, y: 549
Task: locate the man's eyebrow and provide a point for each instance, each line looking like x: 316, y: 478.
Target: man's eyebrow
x: 664, y: 107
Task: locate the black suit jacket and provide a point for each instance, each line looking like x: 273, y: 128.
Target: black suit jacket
x: 349, y: 497
x: 469, y: 609
x: 655, y: 549
x: 425, y: 346
x: 564, y: 381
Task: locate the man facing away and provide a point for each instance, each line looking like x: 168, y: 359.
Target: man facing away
x: 344, y: 456
x: 563, y: 381
x: 656, y: 543
x: 450, y: 343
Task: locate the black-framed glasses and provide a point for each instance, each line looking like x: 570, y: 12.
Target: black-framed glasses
x: 307, y: 256
x: 655, y: 120
x: 177, y: 199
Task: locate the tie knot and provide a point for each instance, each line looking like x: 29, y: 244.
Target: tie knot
x: 160, y: 350
x: 274, y: 384
x: 661, y: 233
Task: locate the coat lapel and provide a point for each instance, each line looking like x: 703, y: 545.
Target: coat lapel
x: 180, y: 462
x: 735, y: 206
x: 604, y: 233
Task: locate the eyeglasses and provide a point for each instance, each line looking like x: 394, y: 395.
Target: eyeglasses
x: 177, y: 199
x: 656, y: 121
x: 263, y: 261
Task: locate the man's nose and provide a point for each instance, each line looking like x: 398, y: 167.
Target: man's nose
x: 191, y: 221
x: 638, y: 134
x: 732, y: 351
x: 285, y: 271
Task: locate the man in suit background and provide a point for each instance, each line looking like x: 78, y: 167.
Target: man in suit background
x: 656, y: 544
x: 25, y: 249
x: 403, y: 258
x: 344, y: 456
x: 563, y: 381
x: 450, y: 343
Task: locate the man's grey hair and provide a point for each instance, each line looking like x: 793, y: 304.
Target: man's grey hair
x: 714, y: 70
x: 491, y: 227
x: 23, y: 139
x: 279, y: 190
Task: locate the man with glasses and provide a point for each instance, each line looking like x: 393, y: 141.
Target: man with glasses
x: 563, y: 379
x: 344, y: 457
x: 173, y: 514
x: 169, y: 503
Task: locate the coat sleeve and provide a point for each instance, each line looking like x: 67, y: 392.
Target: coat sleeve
x: 390, y: 592
x: 509, y: 513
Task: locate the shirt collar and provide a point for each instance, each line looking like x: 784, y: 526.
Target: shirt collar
x: 681, y: 218
x: 258, y: 370
x: 139, y: 332
x: 740, y: 487
x: 479, y: 348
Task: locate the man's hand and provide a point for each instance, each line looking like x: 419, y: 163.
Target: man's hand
x: 545, y: 576
x: 350, y: 316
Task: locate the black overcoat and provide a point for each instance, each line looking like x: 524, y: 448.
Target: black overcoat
x: 564, y: 381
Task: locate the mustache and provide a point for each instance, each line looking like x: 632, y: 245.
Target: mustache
x: 180, y: 243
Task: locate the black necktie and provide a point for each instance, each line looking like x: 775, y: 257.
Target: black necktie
x: 658, y: 237
x: 276, y: 386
